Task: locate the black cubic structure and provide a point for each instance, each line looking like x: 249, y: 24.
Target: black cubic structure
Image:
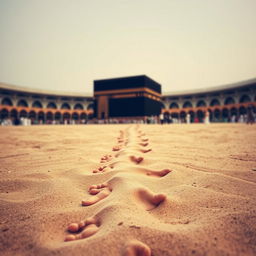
x: 136, y: 96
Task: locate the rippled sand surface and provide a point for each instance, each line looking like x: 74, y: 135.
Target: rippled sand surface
x: 128, y: 190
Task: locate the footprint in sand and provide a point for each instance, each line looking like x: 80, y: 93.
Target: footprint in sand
x: 123, y: 143
x: 144, y: 144
x: 116, y: 148
x: 99, y: 192
x: 136, y: 159
x: 121, y: 139
x: 149, y: 199
x: 105, y: 167
x: 100, y: 169
x: 106, y: 158
x: 125, y: 167
x: 136, y: 248
x: 83, y: 229
x: 157, y: 173
x: 146, y: 150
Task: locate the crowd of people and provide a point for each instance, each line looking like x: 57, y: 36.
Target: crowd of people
x: 250, y: 117
x: 25, y: 121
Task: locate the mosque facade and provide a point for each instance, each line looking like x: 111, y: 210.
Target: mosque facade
x: 44, y: 107
x: 223, y: 103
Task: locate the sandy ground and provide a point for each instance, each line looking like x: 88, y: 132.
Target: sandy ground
x: 164, y: 190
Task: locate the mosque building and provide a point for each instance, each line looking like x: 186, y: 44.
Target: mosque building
x: 222, y: 102
x: 44, y: 107
x: 132, y: 97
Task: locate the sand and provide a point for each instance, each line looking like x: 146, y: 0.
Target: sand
x: 128, y: 190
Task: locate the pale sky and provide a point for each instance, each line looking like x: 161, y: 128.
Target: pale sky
x: 182, y: 44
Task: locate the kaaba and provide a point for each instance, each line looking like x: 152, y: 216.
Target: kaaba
x: 136, y: 96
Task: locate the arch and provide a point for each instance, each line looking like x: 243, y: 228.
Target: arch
x: 75, y: 116
x: 214, y: 102
x: 52, y: 105
x: 90, y: 116
x: 23, y: 113
x: 79, y: 106
x: 57, y: 116
x: 242, y: 110
x: 187, y: 104
x: 200, y: 115
x: 41, y: 117
x: 229, y: 100
x: 192, y: 116
x: 225, y: 114
x: 183, y: 115
x: 90, y: 106
x: 201, y: 103
x: 83, y: 116
x: 175, y: 117
x: 7, y: 102
x: 37, y: 104
x: 49, y: 116
x: 4, y: 113
x: 22, y: 103
x: 66, y: 118
x: 245, y: 98
x: 65, y: 106
x: 32, y: 114
x: 233, y: 111
x: 14, y: 113
x: 216, y: 115
x: 174, y: 105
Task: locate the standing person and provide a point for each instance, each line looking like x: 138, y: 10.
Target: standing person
x: 207, y: 117
x: 233, y: 119
x: 250, y: 117
x: 188, y: 118
x: 161, y: 117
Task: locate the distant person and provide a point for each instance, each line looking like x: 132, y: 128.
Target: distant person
x: 161, y: 117
x: 233, y: 118
x: 250, y: 117
x: 188, y: 118
x: 207, y: 117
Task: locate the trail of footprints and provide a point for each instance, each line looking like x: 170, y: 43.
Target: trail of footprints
x: 127, y: 156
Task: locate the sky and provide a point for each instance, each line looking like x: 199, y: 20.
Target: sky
x: 63, y: 45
